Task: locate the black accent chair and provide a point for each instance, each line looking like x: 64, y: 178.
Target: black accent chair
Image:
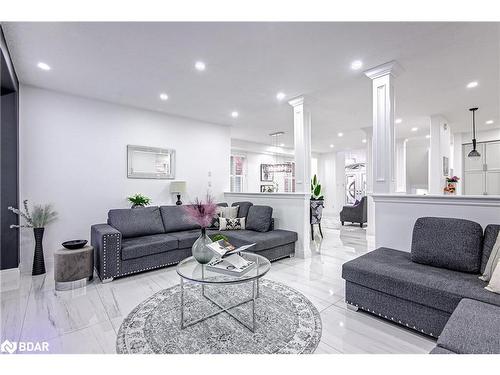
x: 355, y: 213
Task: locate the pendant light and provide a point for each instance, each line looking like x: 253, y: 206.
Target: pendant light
x: 473, y: 153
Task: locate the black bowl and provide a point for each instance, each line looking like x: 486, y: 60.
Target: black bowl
x: 74, y: 244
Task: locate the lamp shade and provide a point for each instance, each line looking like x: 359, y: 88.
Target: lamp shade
x: 178, y: 187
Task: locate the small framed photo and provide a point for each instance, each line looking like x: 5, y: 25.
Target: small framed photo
x: 266, y: 188
x: 265, y: 174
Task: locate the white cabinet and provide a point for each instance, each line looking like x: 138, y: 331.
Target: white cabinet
x: 482, y: 175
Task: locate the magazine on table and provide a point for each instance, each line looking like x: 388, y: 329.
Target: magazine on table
x: 228, y: 260
x: 223, y: 248
x: 233, y: 265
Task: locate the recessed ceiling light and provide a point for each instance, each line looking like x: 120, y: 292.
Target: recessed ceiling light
x: 356, y: 64
x: 282, y: 145
x: 472, y: 84
x: 428, y: 136
x: 398, y: 121
x: 280, y: 96
x: 163, y: 96
x: 200, y: 66
x: 489, y: 122
x: 332, y: 146
x: 414, y: 129
x: 340, y: 134
x: 43, y: 66
x: 406, y: 139
x: 364, y: 140
x: 234, y: 114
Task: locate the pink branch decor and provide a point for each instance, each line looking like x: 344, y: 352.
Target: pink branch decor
x: 201, y: 212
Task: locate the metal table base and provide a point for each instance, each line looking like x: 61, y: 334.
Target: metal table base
x: 255, y: 295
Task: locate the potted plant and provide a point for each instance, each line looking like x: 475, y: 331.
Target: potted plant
x: 139, y: 200
x: 202, y: 213
x: 38, y: 219
x: 317, y: 201
x: 316, y: 192
x: 451, y: 185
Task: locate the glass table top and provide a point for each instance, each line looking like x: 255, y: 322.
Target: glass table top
x: 191, y: 270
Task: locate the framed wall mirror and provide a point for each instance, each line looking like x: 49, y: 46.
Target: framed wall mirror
x: 150, y: 162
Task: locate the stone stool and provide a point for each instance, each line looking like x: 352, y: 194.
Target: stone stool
x: 73, y: 268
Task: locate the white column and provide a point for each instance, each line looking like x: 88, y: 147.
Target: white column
x: 401, y: 165
x: 370, y: 227
x: 439, y: 147
x: 457, y: 161
x: 302, y: 141
x: 382, y: 76
x: 339, y: 181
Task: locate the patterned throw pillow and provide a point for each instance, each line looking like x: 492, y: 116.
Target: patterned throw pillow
x: 223, y: 211
x: 231, y: 224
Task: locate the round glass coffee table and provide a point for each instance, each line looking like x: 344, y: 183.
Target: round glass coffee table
x: 190, y: 270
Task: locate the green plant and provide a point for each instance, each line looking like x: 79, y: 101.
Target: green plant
x: 218, y: 237
x: 38, y: 218
x: 139, y: 200
x: 316, y: 189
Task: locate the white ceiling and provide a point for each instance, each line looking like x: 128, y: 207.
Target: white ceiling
x: 248, y: 63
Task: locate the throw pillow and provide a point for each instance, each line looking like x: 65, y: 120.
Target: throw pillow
x: 231, y: 224
x: 259, y: 218
x: 494, y: 285
x: 215, y: 221
x: 228, y: 212
x: 243, y: 208
x: 492, y: 263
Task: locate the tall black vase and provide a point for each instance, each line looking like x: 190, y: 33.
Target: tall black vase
x: 38, y: 261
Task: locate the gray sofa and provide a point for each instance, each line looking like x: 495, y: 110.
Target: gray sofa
x: 473, y: 328
x: 421, y: 289
x: 142, y: 239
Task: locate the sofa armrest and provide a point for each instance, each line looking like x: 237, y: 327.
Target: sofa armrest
x: 106, y: 241
x: 271, y: 227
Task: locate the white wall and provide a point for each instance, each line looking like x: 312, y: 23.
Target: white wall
x: 254, y: 160
x: 440, y: 146
x: 259, y: 153
x: 417, y: 165
x: 395, y: 215
x: 482, y: 136
x: 73, y: 154
x: 326, y: 175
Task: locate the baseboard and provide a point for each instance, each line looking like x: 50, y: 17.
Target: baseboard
x: 9, y: 279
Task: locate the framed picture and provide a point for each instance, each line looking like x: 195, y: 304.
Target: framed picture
x: 265, y: 174
x: 266, y: 188
x: 150, y: 162
x: 446, y: 169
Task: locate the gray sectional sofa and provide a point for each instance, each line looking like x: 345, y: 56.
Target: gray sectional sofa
x: 141, y: 239
x: 421, y: 289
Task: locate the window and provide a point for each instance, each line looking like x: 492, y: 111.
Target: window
x: 290, y: 179
x: 237, y: 173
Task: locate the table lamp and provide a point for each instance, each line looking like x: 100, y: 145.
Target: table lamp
x: 178, y: 188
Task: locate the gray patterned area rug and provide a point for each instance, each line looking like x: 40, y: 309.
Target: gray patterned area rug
x: 286, y: 322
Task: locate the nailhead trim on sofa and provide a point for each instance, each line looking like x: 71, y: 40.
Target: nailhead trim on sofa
x: 391, y: 318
